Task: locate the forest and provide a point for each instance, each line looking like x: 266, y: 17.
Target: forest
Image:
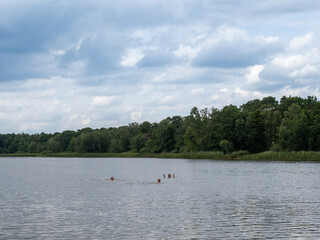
x: 291, y: 124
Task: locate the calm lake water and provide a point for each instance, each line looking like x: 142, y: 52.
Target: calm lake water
x: 73, y: 198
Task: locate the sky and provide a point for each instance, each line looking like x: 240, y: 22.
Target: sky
x: 71, y: 64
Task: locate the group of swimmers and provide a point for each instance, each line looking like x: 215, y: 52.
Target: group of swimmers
x: 159, y: 180
x: 164, y: 176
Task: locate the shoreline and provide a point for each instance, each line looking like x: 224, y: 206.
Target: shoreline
x: 263, y: 156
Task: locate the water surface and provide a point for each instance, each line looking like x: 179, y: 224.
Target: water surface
x: 73, y: 198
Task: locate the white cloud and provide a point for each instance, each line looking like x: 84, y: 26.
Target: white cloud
x: 305, y: 71
x: 228, y: 33
x: 86, y: 121
x: 76, y: 67
x: 73, y: 117
x: 31, y: 126
x: 197, y: 91
x: 186, y: 51
x: 45, y: 105
x: 302, y: 91
x: 301, y: 59
x: 167, y: 99
x: 230, y: 47
x: 102, y: 101
x: 300, y: 42
x: 58, y: 52
x: 175, y: 74
x: 224, y: 90
x: 135, y: 116
x: 290, y: 61
x: 150, y: 35
x: 4, y: 116
x: 241, y: 92
x: 66, y: 110
x: 132, y: 58
x: 268, y: 40
x: 253, y: 75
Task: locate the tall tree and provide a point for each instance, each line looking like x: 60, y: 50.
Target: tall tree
x: 256, y: 133
x: 293, y: 133
x: 227, y: 118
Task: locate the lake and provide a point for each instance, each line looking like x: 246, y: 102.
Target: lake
x: 74, y: 198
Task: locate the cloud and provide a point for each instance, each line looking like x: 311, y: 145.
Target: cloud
x: 300, y: 91
x: 157, y: 58
x: 102, y: 101
x: 197, y: 91
x: 253, y: 75
x: 234, y: 48
x: 86, y: 122
x: 93, y: 38
x: 132, y: 57
x: 300, y: 42
x: 298, y: 64
x: 176, y: 74
x: 186, y: 51
x: 135, y: 116
x: 286, y: 6
x: 306, y: 71
x: 58, y: 52
x: 62, y: 62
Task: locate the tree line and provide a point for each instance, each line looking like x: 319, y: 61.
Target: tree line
x: 291, y: 124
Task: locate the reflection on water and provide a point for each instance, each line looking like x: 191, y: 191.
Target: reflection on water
x: 50, y: 198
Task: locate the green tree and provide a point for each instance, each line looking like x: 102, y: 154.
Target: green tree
x: 227, y: 118
x: 115, y: 146
x: 314, y: 138
x: 90, y: 142
x: 256, y: 132
x: 286, y: 102
x: 53, y: 145
x: 139, y: 141
x: 165, y: 136
x: 293, y: 132
x: 65, y: 139
x: 226, y: 146
x: 194, y: 137
x: 124, y: 139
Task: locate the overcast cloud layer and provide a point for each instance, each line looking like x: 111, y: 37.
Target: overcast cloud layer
x: 67, y: 64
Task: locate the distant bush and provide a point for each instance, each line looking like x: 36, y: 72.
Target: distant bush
x: 226, y: 146
x: 275, y: 147
x: 240, y: 153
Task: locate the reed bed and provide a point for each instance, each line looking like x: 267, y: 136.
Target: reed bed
x: 239, y: 155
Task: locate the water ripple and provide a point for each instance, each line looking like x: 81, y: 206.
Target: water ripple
x: 66, y: 199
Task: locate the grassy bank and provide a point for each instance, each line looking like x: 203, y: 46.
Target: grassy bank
x: 72, y: 154
x: 192, y: 155
x: 283, y: 156
x: 264, y: 156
